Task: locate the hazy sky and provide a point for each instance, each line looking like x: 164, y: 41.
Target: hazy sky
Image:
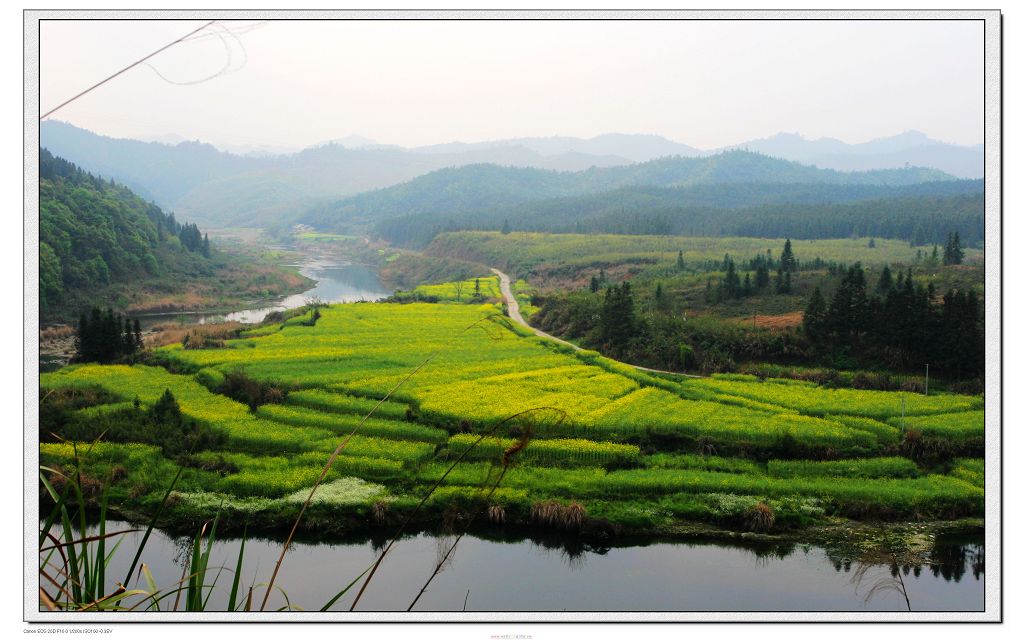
x: 704, y: 83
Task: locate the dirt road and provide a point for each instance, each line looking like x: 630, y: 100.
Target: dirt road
x: 517, y: 316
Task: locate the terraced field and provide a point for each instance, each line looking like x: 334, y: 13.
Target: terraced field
x: 628, y: 448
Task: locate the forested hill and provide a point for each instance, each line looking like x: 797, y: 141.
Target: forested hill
x: 94, y: 233
x: 916, y: 213
x: 481, y: 187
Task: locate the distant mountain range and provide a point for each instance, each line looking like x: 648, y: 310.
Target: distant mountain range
x: 742, y: 177
x: 218, y: 188
x: 911, y: 148
x: 261, y: 188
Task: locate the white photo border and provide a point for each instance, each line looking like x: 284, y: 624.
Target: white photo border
x: 993, y: 579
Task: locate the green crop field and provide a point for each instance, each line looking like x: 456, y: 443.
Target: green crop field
x: 596, y: 431
x: 484, y: 287
x: 528, y: 251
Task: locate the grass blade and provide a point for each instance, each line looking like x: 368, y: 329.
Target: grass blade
x: 152, y: 523
x: 238, y: 573
x: 327, y: 606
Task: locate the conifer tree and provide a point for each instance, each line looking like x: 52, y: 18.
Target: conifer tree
x: 816, y: 316
x: 885, y: 280
x: 731, y: 285
x: 787, y: 260
x: 761, y: 277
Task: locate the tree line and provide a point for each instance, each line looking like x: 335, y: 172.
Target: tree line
x: 898, y: 322
x: 918, y: 219
x: 105, y: 338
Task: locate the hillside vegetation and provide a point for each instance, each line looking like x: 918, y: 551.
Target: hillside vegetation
x: 626, y: 449
x: 100, y: 244
x: 466, y: 189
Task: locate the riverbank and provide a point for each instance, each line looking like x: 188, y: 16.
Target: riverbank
x: 288, y: 277
x: 509, y: 570
x: 900, y: 542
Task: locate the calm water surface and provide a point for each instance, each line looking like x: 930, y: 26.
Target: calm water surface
x: 525, y: 575
x: 335, y: 283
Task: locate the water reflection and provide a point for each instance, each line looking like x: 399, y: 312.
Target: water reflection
x: 951, y: 559
x: 528, y: 571
x: 335, y: 283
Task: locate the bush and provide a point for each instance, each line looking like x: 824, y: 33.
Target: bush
x: 687, y: 357
x: 244, y: 389
x: 760, y: 518
x: 162, y: 425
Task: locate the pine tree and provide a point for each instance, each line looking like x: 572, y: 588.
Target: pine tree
x: 885, y: 280
x: 953, y: 254
x: 848, y: 311
x: 680, y: 263
x: 783, y: 283
x: 127, y: 338
x: 505, y: 229
x: 206, y: 245
x: 761, y: 277
x: 82, y: 335
x: 816, y: 316
x: 787, y: 260
x: 731, y: 285
x: 103, y: 338
x: 166, y: 410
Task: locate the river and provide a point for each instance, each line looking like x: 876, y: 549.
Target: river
x: 491, y: 575
x: 336, y: 282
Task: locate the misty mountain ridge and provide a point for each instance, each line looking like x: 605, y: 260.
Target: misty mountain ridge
x: 912, y: 148
x: 219, y: 188
x: 485, y: 187
x: 224, y: 189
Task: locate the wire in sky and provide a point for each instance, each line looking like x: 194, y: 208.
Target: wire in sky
x: 134, y: 64
x: 222, y: 32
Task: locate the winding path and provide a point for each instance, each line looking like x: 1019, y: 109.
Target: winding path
x: 517, y: 316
